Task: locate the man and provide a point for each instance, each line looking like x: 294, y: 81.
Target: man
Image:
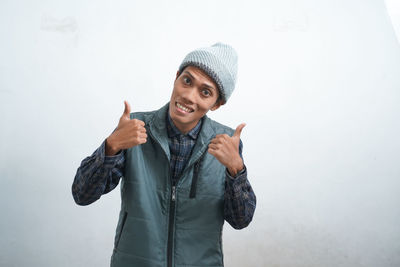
x: 182, y: 173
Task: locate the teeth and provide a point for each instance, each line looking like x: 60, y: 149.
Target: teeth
x: 183, y: 107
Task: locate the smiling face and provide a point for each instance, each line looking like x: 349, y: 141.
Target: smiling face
x: 194, y: 94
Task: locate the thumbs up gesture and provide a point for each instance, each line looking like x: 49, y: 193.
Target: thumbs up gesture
x: 129, y: 133
x: 226, y: 150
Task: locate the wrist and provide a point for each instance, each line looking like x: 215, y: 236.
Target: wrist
x: 234, y: 169
x: 110, y: 148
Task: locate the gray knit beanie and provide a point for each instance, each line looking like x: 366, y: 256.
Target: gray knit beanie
x: 219, y: 62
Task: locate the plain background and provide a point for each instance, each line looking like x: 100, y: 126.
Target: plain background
x: 318, y: 86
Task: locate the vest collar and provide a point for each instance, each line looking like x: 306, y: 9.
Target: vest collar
x: 158, y: 129
x: 173, y: 131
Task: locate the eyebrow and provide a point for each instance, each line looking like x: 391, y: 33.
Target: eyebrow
x: 204, y: 84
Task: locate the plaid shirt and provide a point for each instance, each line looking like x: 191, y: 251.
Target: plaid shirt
x: 99, y: 174
x: 180, y: 146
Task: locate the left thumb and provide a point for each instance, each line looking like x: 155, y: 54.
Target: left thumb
x: 238, y: 130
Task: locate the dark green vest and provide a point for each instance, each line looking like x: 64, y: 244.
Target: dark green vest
x: 164, y: 226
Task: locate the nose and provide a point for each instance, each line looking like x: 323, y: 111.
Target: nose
x: 190, y: 95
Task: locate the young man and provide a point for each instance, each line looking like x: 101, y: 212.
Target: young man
x: 182, y: 173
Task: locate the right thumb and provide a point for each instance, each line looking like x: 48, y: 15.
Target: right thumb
x: 127, y: 110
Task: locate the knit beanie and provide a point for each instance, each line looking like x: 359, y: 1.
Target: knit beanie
x: 219, y: 62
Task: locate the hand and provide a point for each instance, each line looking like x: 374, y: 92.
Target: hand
x: 129, y: 133
x: 226, y: 150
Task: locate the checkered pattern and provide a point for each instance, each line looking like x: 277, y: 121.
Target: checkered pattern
x: 181, y: 147
x: 99, y: 174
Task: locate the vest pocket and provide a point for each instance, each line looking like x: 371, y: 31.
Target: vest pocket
x: 122, y: 228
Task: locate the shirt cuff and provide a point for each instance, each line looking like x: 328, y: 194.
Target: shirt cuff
x: 239, y: 176
x: 108, y: 160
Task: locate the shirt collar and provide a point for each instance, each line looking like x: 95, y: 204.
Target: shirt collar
x: 173, y: 131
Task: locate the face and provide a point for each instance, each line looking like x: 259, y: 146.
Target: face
x: 194, y: 94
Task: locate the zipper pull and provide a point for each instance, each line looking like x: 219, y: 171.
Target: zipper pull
x: 173, y: 193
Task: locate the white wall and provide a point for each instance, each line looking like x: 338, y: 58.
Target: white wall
x: 318, y: 86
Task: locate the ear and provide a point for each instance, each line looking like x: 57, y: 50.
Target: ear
x: 177, y: 74
x: 216, y: 105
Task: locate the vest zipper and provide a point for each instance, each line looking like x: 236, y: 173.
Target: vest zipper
x: 171, y: 225
x: 173, y: 193
x: 195, y: 178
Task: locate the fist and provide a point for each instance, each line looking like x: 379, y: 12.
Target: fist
x: 129, y: 133
x: 225, y: 149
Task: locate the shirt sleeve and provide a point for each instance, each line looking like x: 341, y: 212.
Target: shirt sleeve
x: 240, y: 200
x: 98, y: 174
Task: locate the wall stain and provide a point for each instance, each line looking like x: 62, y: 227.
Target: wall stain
x: 61, y: 25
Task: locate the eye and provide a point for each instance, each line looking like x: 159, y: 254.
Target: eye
x: 206, y: 92
x: 186, y: 80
